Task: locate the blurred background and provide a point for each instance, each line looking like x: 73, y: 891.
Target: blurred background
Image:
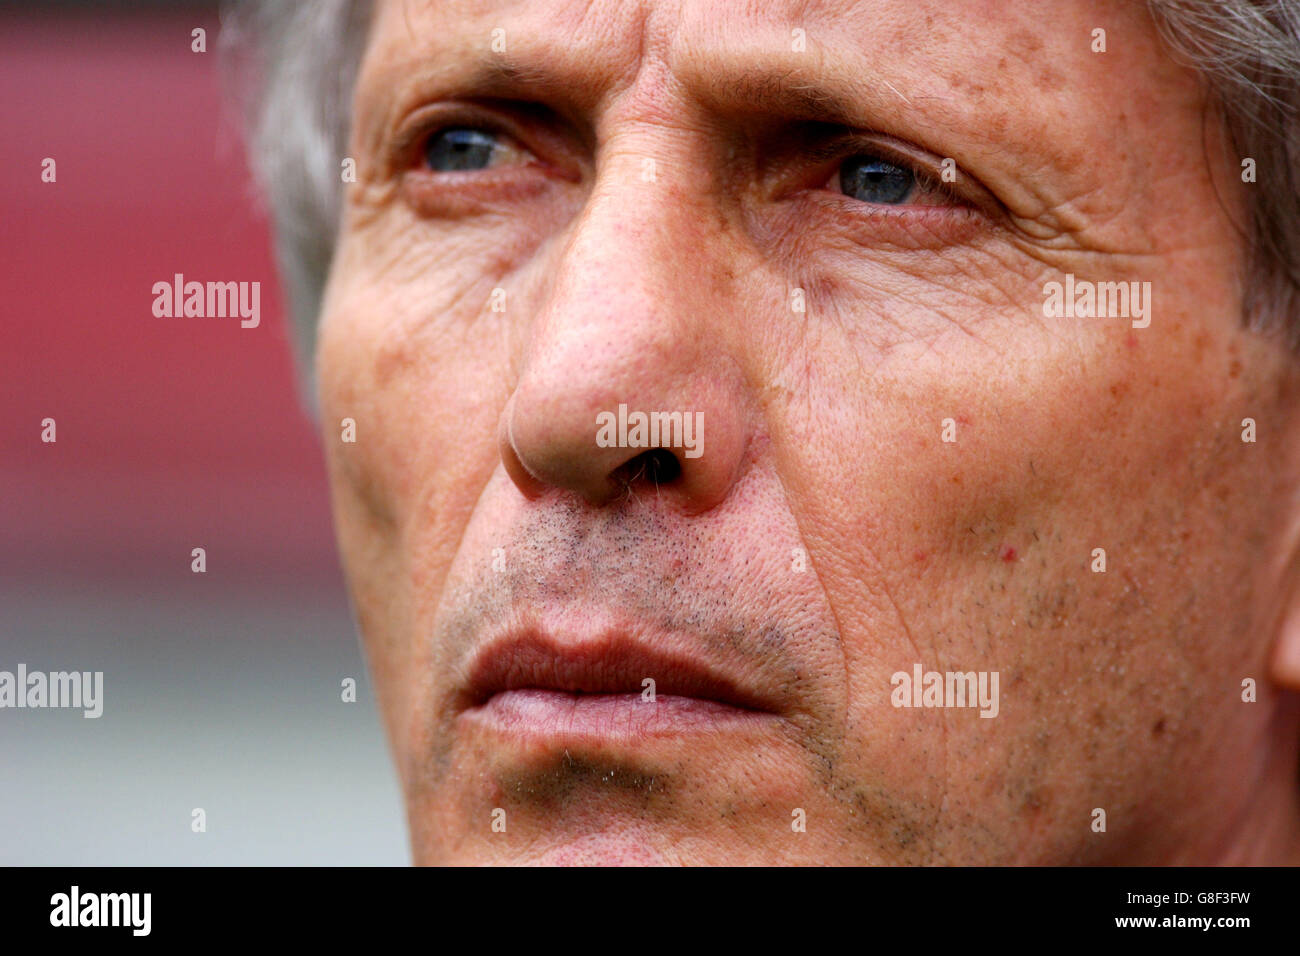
x: 222, y: 690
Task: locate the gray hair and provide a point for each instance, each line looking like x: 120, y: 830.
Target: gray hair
x: 292, y: 65
x: 297, y: 62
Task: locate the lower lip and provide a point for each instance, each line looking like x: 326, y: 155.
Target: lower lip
x: 558, y: 714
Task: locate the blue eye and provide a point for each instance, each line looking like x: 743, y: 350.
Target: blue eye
x: 461, y: 149
x: 874, y: 180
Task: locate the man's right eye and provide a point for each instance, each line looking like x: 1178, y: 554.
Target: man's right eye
x: 468, y: 149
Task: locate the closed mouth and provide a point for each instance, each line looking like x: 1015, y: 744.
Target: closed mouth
x: 607, y: 686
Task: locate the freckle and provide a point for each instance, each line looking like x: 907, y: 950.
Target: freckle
x: 1159, y: 728
x: 1050, y: 80
x: 1008, y: 553
x: 1025, y: 44
x: 1234, y: 369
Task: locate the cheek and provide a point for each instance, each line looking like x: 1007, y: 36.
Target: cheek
x: 968, y: 468
x: 364, y: 505
x: 978, y: 552
x: 415, y: 371
x: 417, y: 358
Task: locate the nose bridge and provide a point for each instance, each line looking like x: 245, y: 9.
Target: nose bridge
x: 622, y: 296
x: 627, y: 241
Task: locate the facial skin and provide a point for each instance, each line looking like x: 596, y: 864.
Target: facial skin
x: 672, y: 287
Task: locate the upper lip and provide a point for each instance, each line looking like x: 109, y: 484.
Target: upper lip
x: 607, y: 664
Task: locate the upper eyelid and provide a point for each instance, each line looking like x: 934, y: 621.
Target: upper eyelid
x: 850, y: 145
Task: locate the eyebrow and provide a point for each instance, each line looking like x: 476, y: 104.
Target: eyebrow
x: 505, y: 77
x: 500, y: 72
x: 783, y: 92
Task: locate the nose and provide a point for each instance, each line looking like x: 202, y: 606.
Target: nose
x: 628, y: 378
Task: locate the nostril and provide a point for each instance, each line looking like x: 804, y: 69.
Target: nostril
x: 658, y: 466
x: 663, y: 467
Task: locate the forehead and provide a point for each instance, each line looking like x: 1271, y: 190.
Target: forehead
x: 970, y: 48
x: 640, y: 21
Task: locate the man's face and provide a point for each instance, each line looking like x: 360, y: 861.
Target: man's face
x: 739, y: 212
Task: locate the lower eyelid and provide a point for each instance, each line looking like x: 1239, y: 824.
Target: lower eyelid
x: 906, y: 226
x: 452, y: 194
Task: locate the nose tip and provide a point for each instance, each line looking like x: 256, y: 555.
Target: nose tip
x: 543, y: 449
x: 537, y: 462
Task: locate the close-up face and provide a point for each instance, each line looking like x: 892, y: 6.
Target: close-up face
x: 849, y: 250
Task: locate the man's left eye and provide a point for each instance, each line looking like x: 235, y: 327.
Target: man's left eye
x: 874, y: 180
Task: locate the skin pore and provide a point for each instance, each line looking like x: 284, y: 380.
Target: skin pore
x: 660, y: 221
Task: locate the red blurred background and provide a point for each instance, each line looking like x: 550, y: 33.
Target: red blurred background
x: 222, y: 689
x: 172, y: 433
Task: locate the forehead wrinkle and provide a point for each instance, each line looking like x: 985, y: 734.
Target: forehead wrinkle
x: 573, y: 56
x: 752, y: 73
